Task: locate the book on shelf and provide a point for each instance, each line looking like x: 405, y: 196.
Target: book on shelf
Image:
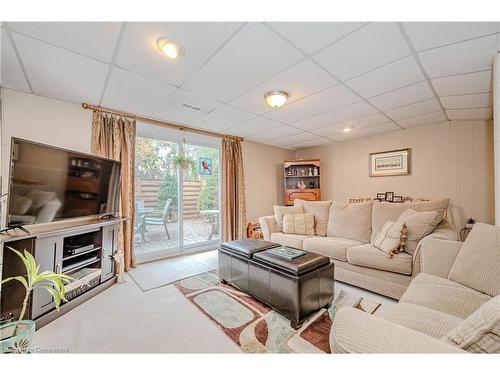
x: 286, y: 252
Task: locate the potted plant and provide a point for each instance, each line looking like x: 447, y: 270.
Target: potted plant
x: 16, y: 337
x: 470, y: 222
x: 184, y: 161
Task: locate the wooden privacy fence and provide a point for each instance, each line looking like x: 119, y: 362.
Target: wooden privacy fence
x: 147, y: 189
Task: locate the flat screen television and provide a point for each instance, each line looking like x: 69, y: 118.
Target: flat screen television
x: 49, y: 183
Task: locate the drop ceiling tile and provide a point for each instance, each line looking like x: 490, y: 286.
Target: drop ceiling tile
x: 470, y: 114
x: 299, y: 81
x: 359, y: 123
x: 312, y: 36
x: 404, y: 96
x: 94, y: 39
x: 368, y: 48
x: 398, y: 74
x: 470, y: 83
x: 335, y: 97
x: 274, y: 134
x: 320, y: 141
x: 138, y: 51
x: 253, y: 126
x: 466, y: 57
x: 253, y: 55
x: 365, y: 132
x: 11, y: 75
x: 59, y: 74
x: 425, y: 35
x: 145, y: 97
x: 222, y: 117
x: 423, y: 119
x: 467, y: 101
x: 415, y: 109
x: 294, y: 139
x: 336, y: 116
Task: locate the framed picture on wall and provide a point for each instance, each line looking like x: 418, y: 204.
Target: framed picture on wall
x: 389, y: 163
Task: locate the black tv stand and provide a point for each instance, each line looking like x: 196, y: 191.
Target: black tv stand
x: 14, y: 227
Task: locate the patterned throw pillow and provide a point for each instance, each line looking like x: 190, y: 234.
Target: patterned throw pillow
x: 480, y: 331
x: 299, y: 224
x: 391, y: 238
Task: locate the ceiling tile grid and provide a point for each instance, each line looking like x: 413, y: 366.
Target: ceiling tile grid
x: 358, y: 75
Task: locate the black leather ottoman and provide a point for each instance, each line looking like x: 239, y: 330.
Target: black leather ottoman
x: 295, y: 288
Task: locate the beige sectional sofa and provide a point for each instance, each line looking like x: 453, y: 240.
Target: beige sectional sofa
x: 452, y: 306
x: 349, y: 229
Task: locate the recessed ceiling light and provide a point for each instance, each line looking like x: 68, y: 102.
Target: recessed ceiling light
x: 347, y: 129
x: 169, y: 48
x: 275, y: 98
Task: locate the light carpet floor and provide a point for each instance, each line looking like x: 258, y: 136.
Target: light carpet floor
x: 125, y: 319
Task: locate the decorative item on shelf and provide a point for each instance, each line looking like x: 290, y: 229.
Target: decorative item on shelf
x: 16, y: 337
x: 315, y: 171
x: 389, y: 196
x: 302, y: 172
x: 295, y: 172
x: 311, y: 185
x: 390, y: 163
x: 254, y: 231
x: 381, y: 197
x: 302, y: 185
x: 397, y: 199
x: 289, y: 172
x: 359, y: 200
x: 310, y: 172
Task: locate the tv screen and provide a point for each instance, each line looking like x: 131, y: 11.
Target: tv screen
x: 49, y: 183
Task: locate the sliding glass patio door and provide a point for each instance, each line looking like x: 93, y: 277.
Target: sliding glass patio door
x: 177, y: 207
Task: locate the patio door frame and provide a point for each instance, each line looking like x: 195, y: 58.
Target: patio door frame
x: 181, y: 248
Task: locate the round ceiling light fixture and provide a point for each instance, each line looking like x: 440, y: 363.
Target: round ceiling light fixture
x: 275, y: 98
x: 347, y: 129
x: 169, y: 48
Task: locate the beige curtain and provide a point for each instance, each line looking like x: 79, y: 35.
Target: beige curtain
x: 114, y: 137
x: 233, y: 191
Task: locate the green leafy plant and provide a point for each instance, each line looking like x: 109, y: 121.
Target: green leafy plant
x: 209, y: 196
x: 52, y: 282
x: 168, y: 190
x: 184, y: 161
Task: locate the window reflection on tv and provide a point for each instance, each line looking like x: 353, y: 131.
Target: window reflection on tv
x: 49, y: 184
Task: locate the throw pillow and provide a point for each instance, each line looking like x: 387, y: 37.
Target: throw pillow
x: 478, y: 263
x: 319, y: 209
x: 390, y: 238
x: 298, y: 224
x: 419, y: 224
x: 480, y: 331
x: 279, y: 211
x: 352, y: 221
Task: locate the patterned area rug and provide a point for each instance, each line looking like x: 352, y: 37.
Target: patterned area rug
x: 255, y: 327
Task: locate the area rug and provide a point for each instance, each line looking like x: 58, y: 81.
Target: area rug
x: 255, y: 327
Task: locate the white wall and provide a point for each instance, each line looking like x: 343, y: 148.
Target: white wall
x: 450, y: 159
x: 42, y: 120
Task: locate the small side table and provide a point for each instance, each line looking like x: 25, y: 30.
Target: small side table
x: 464, y: 232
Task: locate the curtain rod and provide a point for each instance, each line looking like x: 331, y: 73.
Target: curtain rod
x: 158, y: 122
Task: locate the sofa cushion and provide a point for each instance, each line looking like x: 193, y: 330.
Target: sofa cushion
x: 383, y: 211
x: 292, y: 240
x: 279, y: 211
x: 369, y: 256
x: 420, y: 318
x: 332, y: 247
x: 419, y: 225
x: 478, y: 263
x: 319, y: 209
x: 298, y: 224
x: 480, y: 331
x: 351, y: 221
x: 391, y: 238
x: 443, y: 295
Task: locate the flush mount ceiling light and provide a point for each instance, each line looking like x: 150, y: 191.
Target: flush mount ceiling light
x: 347, y: 129
x: 169, y: 48
x: 275, y: 98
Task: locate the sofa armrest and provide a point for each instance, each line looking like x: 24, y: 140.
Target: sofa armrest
x: 355, y: 331
x: 268, y: 225
x: 444, y: 231
x: 437, y: 256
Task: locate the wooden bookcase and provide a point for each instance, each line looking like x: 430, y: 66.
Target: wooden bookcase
x: 298, y: 172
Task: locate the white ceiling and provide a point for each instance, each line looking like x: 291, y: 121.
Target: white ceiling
x: 373, y: 77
